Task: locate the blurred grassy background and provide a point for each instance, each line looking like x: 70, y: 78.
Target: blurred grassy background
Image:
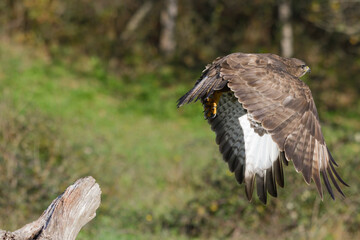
x: 78, y: 98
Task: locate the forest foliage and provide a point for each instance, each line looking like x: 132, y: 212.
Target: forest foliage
x: 126, y: 34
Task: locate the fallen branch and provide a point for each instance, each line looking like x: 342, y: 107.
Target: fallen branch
x: 65, y: 216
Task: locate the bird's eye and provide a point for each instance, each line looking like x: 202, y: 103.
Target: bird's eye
x: 302, y: 66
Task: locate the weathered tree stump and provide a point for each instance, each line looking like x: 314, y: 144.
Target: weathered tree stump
x: 65, y: 216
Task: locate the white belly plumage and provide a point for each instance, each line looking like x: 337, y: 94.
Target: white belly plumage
x: 260, y: 151
x: 252, y: 158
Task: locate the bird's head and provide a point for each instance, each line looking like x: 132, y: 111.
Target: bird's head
x: 297, y: 67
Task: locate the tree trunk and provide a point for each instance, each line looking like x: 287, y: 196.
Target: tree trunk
x: 168, y: 23
x: 135, y: 20
x: 65, y: 216
x: 286, y: 41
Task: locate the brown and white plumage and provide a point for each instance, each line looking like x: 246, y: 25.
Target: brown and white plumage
x: 265, y: 117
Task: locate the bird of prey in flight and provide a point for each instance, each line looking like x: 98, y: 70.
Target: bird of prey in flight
x: 264, y: 116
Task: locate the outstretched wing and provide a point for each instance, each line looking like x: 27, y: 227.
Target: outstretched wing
x: 231, y: 137
x: 281, y: 103
x: 284, y: 106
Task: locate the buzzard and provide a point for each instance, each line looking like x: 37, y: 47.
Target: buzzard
x: 264, y: 116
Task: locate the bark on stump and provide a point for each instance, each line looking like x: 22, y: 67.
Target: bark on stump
x: 65, y: 216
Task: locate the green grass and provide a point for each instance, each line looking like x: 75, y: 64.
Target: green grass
x: 158, y: 167
x: 126, y: 138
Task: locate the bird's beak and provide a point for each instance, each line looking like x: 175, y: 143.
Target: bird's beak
x: 307, y: 69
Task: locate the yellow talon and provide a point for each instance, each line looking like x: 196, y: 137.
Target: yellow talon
x: 211, y: 105
x: 214, y: 108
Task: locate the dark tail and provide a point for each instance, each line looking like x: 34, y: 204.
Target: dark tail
x: 197, y: 92
x: 184, y: 99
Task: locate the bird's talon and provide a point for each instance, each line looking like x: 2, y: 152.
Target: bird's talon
x: 210, y: 105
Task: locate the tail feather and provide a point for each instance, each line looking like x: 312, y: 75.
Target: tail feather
x: 197, y: 92
x: 204, y: 87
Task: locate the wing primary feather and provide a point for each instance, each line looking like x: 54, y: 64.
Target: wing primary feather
x: 229, y: 154
x: 261, y: 188
x: 316, y: 168
x: 233, y: 163
x: 337, y: 175
x: 270, y: 182
x: 316, y: 177
x: 327, y: 183
x: 283, y: 158
x: 239, y: 174
x: 278, y: 171
x: 249, y: 187
x: 331, y: 157
x: 334, y: 181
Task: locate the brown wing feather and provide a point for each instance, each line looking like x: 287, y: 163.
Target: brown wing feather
x: 284, y: 106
